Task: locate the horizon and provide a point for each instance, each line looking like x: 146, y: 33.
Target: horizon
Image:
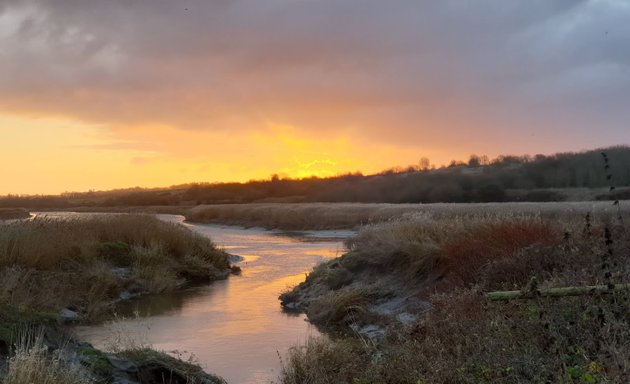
x: 192, y: 92
x: 418, y: 167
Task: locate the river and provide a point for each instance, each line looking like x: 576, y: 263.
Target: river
x: 234, y: 328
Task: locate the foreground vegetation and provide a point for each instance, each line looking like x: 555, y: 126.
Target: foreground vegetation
x: 406, y: 304
x: 87, y: 263
x: 54, y: 270
x: 40, y: 352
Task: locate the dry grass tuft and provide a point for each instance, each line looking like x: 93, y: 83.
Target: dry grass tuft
x: 332, y: 307
x: 321, y: 361
x: 31, y: 363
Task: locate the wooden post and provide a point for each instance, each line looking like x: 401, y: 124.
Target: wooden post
x: 556, y: 292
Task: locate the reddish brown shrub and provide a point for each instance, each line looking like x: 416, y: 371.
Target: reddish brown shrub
x: 464, y: 256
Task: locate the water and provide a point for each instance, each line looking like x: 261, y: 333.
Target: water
x: 233, y: 328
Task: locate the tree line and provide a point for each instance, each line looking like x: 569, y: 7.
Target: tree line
x: 505, y: 178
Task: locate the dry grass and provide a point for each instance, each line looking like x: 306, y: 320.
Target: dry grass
x: 313, y: 362
x: 329, y: 309
x: 32, y: 363
x: 52, y: 263
x: 302, y: 216
x: 13, y: 213
x: 465, y: 339
x: 458, y: 247
x: 452, y: 260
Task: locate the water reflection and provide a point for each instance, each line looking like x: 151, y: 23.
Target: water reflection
x: 235, y: 328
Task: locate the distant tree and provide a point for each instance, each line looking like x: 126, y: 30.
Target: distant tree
x: 424, y: 164
x: 491, y: 193
x: 455, y: 163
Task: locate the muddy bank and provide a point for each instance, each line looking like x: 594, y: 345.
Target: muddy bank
x: 348, y: 297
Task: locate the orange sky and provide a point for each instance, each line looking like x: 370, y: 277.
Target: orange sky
x: 102, y: 95
x: 53, y: 155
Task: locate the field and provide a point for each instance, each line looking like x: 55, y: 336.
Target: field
x: 303, y: 216
x: 406, y: 303
x: 13, y: 213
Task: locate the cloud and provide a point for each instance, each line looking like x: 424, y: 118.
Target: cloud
x: 478, y: 76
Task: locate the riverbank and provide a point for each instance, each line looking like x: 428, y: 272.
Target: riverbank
x: 407, y: 304
x: 55, y: 271
x: 86, y: 263
x: 34, y: 348
x: 236, y: 327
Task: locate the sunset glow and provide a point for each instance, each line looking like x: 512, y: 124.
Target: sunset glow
x: 162, y: 93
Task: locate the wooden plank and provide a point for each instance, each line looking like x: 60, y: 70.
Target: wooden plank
x: 556, y: 292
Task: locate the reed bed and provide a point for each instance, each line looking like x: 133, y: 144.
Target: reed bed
x: 305, y: 216
x: 13, y: 213
x: 84, y: 262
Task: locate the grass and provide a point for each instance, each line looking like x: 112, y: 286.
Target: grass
x: 14, y: 320
x: 13, y: 213
x: 304, y: 216
x: 31, y: 362
x: 84, y: 264
x: 451, y: 259
x: 48, y: 264
x: 456, y: 247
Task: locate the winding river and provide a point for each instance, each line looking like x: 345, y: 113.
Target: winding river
x: 234, y: 328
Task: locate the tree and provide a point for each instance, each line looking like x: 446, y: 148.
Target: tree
x: 424, y: 164
x: 473, y: 161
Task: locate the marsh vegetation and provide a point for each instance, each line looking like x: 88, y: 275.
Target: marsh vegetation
x: 13, y: 213
x: 58, y: 269
x: 436, y: 268
x: 85, y: 263
x: 303, y: 216
x: 405, y: 303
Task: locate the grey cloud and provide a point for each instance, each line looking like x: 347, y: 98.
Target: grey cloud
x: 399, y: 71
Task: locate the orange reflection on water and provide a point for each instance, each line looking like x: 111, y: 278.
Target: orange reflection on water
x: 235, y: 327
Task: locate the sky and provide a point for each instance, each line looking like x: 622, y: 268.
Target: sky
x: 98, y: 95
